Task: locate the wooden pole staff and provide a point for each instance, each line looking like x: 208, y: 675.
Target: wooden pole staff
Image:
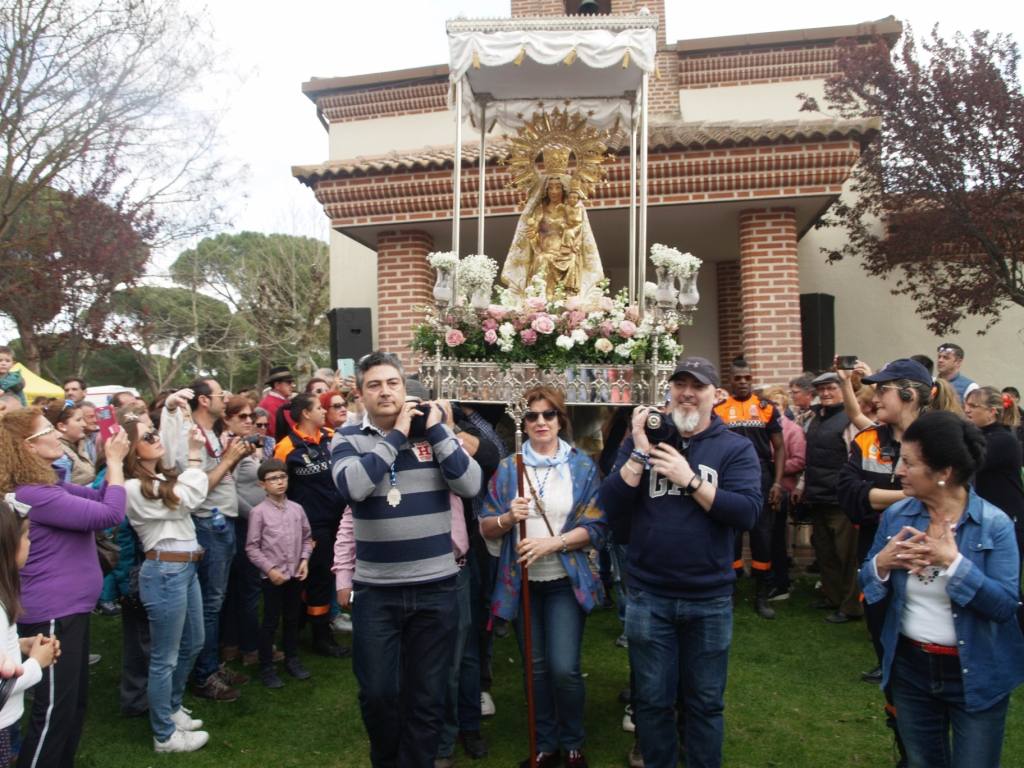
x: 527, y: 624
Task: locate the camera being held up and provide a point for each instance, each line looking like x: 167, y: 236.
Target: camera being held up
x: 660, y: 428
x: 418, y: 425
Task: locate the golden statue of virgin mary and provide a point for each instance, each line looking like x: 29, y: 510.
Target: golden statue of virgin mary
x: 553, y: 238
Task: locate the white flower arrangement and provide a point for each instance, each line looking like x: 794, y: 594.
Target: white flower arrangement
x: 565, y: 342
x: 477, y: 271
x: 673, y: 261
x: 443, y: 260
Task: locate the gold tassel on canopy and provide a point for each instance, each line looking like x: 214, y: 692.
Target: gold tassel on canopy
x: 625, y: 61
x: 476, y: 59
x: 570, y: 58
x: 520, y: 56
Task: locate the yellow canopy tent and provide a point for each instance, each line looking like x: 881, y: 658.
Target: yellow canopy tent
x: 37, y: 386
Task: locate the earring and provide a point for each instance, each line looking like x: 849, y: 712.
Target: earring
x: 942, y: 483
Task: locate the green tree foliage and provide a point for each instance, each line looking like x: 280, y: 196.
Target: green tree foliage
x: 276, y: 284
x: 174, y: 333
x: 946, y: 178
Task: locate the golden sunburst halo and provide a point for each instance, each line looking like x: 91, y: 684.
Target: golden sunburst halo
x: 568, y: 145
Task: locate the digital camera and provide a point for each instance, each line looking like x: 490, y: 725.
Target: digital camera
x: 418, y: 425
x: 660, y: 428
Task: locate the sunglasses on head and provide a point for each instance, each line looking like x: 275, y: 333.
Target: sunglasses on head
x: 549, y: 415
x: 150, y: 437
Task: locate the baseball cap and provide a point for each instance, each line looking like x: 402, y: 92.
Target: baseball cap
x: 904, y: 368
x: 702, y: 369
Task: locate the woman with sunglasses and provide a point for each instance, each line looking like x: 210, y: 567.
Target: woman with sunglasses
x: 333, y: 404
x: 159, y: 500
x: 62, y: 579
x: 240, y: 616
x: 261, y: 427
x: 562, y: 520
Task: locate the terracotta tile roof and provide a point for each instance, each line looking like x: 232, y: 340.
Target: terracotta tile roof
x: 663, y: 136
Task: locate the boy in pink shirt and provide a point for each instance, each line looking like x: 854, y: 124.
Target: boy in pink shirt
x: 279, y: 544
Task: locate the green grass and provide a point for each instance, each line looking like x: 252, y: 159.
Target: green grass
x: 794, y: 699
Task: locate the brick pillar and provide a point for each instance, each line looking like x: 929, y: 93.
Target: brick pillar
x: 730, y: 315
x: 404, y: 285
x: 770, y: 290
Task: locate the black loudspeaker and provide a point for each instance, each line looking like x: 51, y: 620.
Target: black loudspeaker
x: 818, y: 330
x: 351, y: 332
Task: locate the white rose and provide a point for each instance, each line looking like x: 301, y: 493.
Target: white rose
x: 564, y: 342
x: 506, y: 330
x: 603, y: 345
x: 625, y: 349
x: 579, y: 336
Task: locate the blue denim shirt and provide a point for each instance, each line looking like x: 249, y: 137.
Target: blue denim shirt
x: 983, y: 592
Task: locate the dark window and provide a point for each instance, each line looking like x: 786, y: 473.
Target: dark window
x: 572, y: 7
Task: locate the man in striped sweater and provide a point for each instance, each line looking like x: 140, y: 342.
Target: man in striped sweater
x: 397, y: 480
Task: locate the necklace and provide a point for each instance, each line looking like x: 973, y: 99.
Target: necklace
x: 541, y: 483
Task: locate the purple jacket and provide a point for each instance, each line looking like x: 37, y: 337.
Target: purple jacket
x: 279, y: 538
x: 62, y: 576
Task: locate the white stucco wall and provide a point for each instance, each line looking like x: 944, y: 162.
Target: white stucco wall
x: 386, y: 134
x: 877, y: 326
x: 353, y: 276
x: 749, y: 103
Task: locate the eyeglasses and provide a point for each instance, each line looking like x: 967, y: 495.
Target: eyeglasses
x: 40, y: 433
x: 277, y: 477
x: 549, y: 415
x: 337, y: 406
x: 261, y: 425
x: 150, y: 438
x: 886, y: 387
x: 244, y: 416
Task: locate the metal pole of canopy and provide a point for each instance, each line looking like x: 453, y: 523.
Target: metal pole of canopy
x: 457, y: 189
x: 641, y: 256
x: 632, y: 200
x: 481, y: 191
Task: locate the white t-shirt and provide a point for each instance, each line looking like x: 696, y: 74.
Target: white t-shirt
x: 15, y: 706
x: 928, y: 613
x: 554, y: 487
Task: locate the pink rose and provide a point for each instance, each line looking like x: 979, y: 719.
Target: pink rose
x: 627, y: 328
x: 528, y: 336
x: 632, y: 313
x: 606, y: 328
x: 537, y: 304
x: 490, y: 324
x: 606, y: 304
x: 576, y: 318
x: 574, y: 304
x: 454, y: 337
x: 497, y: 311
x: 543, y: 324
x: 491, y: 336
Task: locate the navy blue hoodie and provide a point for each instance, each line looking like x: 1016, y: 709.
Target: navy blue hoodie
x: 676, y: 548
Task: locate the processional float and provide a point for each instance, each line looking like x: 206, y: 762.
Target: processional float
x: 561, y: 90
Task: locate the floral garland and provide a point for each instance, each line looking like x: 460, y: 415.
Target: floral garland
x: 552, y: 333
x: 676, y: 263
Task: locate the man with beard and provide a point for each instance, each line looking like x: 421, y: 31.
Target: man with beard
x: 759, y: 421
x: 677, y: 504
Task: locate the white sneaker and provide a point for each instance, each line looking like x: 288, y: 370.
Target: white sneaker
x: 184, y: 722
x: 342, y: 623
x: 627, y: 721
x: 182, y: 741
x: 486, y: 705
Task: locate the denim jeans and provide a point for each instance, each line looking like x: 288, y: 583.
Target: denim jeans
x: 214, y: 569
x: 928, y: 692
x: 240, y: 619
x: 170, y: 592
x: 679, y: 648
x: 402, y: 640
x: 558, y: 690
x: 446, y: 745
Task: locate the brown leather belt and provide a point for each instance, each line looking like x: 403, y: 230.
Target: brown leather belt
x: 939, y: 650
x: 175, y: 557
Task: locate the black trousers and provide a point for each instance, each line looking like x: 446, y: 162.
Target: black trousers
x: 318, y: 588
x: 134, y: 661
x: 58, y: 706
x: 282, y: 604
x: 760, y: 536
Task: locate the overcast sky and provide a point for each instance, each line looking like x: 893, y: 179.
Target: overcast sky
x: 273, y: 49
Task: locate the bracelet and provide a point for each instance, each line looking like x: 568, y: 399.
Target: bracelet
x: 565, y: 544
x: 500, y: 524
x: 691, y: 488
x: 640, y: 456
x: 633, y: 470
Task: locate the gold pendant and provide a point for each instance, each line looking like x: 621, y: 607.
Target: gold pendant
x: 394, y: 497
